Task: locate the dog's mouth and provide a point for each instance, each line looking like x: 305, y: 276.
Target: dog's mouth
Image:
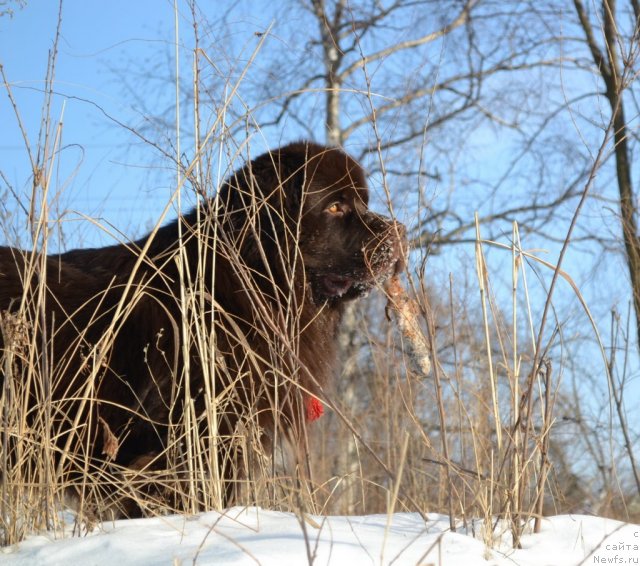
x: 336, y: 285
x: 346, y: 287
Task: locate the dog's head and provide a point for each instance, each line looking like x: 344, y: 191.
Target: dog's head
x: 310, y: 203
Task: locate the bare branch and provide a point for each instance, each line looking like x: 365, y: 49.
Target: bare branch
x: 460, y: 20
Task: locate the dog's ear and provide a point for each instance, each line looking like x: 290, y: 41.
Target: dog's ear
x: 290, y: 171
x: 259, y: 200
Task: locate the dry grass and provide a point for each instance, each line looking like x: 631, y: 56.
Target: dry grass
x: 469, y: 436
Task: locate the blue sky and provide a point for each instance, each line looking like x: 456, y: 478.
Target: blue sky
x: 99, y: 172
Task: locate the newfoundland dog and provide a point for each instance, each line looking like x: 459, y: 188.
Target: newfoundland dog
x: 227, y: 316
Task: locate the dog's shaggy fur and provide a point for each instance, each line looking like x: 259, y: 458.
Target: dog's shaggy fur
x: 232, y: 310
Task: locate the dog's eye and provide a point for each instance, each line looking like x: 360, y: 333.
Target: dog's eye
x: 336, y: 209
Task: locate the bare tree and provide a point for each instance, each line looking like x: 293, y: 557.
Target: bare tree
x: 614, y: 47
x: 396, y: 77
x: 614, y: 56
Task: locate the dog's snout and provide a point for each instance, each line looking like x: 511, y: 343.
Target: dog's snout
x: 383, y: 225
x: 387, y: 247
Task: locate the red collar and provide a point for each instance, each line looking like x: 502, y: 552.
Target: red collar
x: 315, y: 409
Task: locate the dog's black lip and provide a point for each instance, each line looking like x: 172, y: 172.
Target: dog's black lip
x: 336, y: 285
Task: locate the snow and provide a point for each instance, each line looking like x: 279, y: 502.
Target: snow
x: 256, y: 536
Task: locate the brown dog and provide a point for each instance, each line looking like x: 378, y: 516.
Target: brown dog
x: 229, y: 313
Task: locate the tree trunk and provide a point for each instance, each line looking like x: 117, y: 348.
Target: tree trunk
x: 609, y: 69
x: 613, y: 78
x: 346, y: 461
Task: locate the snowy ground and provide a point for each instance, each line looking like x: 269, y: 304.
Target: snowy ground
x: 255, y: 536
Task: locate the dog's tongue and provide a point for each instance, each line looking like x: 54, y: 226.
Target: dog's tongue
x: 337, y: 285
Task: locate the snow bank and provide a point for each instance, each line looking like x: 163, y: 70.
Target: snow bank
x: 256, y: 536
